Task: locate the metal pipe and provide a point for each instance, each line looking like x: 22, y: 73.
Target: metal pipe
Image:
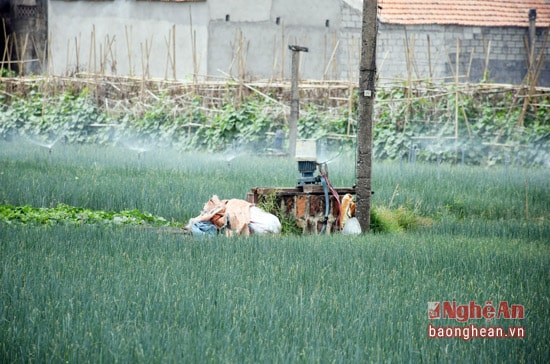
x: 327, y: 204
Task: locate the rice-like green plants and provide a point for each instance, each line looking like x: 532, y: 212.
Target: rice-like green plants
x: 118, y: 293
x: 92, y: 294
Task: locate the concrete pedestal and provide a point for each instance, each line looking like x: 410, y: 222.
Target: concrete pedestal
x: 305, y: 203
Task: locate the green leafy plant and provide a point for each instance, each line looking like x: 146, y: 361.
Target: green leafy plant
x: 64, y: 214
x: 485, y: 124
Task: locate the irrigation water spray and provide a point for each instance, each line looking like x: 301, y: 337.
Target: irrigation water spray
x: 45, y: 144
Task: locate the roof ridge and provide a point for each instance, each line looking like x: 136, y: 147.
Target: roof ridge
x: 464, y: 12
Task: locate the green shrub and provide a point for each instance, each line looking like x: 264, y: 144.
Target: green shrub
x: 386, y: 220
x: 486, y: 123
x: 270, y: 203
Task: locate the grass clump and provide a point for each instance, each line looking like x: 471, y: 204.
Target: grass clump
x: 271, y: 204
x: 387, y: 220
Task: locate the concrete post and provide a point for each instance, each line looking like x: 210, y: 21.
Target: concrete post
x: 367, y: 80
x: 294, y: 98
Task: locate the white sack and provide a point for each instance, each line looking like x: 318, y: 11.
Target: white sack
x: 262, y: 222
x: 352, y: 227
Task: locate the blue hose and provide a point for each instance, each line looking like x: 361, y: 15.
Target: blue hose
x: 327, y: 204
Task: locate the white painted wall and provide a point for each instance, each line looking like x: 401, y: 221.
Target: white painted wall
x: 126, y: 37
x: 240, y: 10
x: 257, y: 47
x: 242, y: 38
x: 250, y: 43
x: 308, y: 13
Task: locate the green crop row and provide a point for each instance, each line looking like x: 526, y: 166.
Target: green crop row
x: 175, y: 184
x: 467, y: 127
x: 93, y: 293
x: 97, y: 294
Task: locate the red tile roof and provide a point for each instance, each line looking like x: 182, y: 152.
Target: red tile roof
x: 492, y: 13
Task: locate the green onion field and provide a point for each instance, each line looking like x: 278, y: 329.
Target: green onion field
x: 77, y: 288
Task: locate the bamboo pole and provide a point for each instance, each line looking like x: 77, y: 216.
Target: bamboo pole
x: 487, y: 58
x: 408, y: 94
x: 274, y: 57
x: 114, y: 57
x: 533, y: 79
x: 6, y: 44
x: 233, y: 51
x: 90, y: 51
x: 77, y: 52
x: 470, y: 65
x: 193, y: 40
x: 331, y: 59
x: 325, y: 49
x: 430, y: 73
x: 413, y: 58
x: 142, y: 70
x: 174, y: 69
x: 350, y: 107
x: 129, y: 49
x: 108, y: 51
x: 102, y: 54
x: 336, y: 42
x: 193, y: 35
x: 94, y: 45
x: 21, y: 57
x: 256, y: 90
x: 67, y: 57
x: 148, y: 47
x: 167, y: 42
x: 195, y: 59
x: 5, y: 54
x: 351, y: 86
x: 40, y: 54
x: 283, y: 50
x: 49, y: 59
x: 17, y: 55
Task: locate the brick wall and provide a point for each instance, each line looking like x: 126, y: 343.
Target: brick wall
x: 432, y: 53
x: 306, y: 205
x: 433, y: 48
x: 309, y: 211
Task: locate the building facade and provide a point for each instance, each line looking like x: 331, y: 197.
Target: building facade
x: 24, y: 35
x: 249, y: 39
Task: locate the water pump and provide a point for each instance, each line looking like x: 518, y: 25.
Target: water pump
x: 306, y: 156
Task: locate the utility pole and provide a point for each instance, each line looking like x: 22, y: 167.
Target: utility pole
x: 294, y: 99
x: 532, y: 67
x: 367, y: 80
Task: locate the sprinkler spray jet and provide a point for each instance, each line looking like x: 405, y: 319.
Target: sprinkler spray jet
x: 136, y: 147
x: 48, y: 145
x: 139, y: 150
